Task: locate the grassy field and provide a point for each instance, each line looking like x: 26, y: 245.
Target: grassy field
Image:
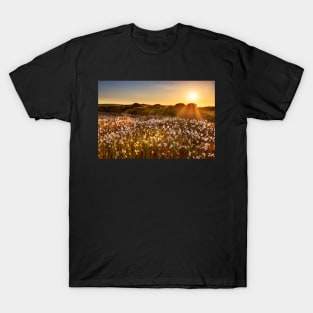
x: 141, y: 131
x: 179, y: 110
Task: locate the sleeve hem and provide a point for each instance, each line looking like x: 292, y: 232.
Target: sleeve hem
x: 296, y: 78
x: 18, y: 87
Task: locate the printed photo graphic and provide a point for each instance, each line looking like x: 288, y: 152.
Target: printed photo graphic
x: 156, y: 119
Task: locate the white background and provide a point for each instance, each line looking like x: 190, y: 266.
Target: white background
x: 35, y: 159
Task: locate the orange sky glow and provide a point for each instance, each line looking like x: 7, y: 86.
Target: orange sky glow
x: 152, y: 92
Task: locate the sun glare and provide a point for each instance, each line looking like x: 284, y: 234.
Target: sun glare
x: 192, y: 96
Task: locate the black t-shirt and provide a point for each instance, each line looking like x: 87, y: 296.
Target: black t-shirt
x: 158, y: 164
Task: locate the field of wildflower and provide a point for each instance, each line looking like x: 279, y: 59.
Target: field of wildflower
x: 126, y: 136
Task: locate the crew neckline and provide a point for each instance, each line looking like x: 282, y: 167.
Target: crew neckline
x: 178, y: 31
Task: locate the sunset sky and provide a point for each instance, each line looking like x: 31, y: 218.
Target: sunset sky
x: 151, y: 92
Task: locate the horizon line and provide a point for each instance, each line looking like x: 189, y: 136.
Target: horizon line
x: 158, y: 103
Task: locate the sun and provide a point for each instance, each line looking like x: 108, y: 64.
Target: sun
x: 192, y: 96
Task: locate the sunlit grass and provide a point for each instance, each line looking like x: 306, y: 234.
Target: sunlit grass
x: 124, y: 136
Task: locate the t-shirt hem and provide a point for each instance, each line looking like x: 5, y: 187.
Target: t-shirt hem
x: 297, y: 72
x: 160, y: 283
x: 18, y: 85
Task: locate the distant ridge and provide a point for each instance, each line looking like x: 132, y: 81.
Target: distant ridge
x: 190, y: 110
x: 137, y: 105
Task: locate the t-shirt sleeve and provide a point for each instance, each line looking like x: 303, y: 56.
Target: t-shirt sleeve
x: 264, y: 84
x: 46, y: 85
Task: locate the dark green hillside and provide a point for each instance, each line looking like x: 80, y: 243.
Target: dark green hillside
x: 180, y: 110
